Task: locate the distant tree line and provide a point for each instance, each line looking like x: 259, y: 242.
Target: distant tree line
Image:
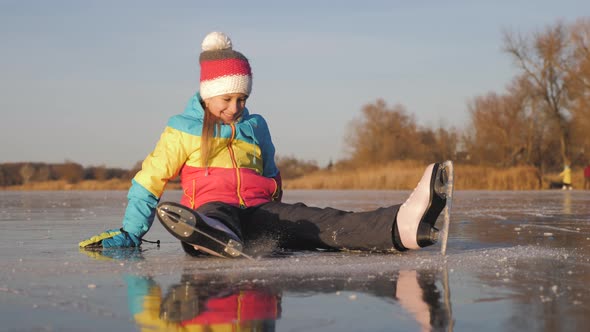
x: 542, y: 119
x: 292, y: 167
x: 14, y: 174
x: 25, y: 172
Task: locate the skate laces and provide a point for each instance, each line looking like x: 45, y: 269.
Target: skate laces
x: 153, y: 242
x: 142, y: 240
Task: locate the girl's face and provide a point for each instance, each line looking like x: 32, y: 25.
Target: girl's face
x: 228, y: 107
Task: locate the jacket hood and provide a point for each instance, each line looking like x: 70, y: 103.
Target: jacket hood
x: 194, y: 109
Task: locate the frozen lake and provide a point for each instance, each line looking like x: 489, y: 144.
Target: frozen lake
x: 515, y: 261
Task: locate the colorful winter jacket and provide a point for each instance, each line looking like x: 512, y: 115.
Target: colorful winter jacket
x: 241, y: 170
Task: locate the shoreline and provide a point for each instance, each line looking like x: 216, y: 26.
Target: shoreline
x: 392, y: 176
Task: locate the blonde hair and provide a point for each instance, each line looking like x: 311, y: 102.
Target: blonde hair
x: 210, y: 122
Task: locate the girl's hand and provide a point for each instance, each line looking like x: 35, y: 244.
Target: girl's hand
x: 110, y: 239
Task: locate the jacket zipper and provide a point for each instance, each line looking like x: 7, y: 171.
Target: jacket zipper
x: 235, y: 164
x: 191, y: 198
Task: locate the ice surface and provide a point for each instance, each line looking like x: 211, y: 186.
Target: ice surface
x: 515, y: 261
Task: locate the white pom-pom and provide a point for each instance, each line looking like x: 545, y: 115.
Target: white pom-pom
x: 216, y: 41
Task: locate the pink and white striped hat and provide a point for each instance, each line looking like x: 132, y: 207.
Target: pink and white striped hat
x: 223, y: 70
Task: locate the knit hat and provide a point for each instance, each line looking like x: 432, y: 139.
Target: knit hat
x: 223, y: 70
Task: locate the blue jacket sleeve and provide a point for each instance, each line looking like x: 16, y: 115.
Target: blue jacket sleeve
x: 147, y: 187
x: 140, y: 211
x: 268, y: 151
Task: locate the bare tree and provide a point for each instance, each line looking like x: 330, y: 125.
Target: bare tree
x: 69, y: 171
x: 43, y: 173
x: 543, y: 59
x: 579, y: 78
x: 579, y: 69
x: 383, y: 134
x: 498, y: 133
x: 436, y: 144
x: 26, y: 172
x: 99, y: 173
x: 3, y: 177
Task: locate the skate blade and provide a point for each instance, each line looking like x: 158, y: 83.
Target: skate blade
x: 233, y: 248
x: 446, y: 188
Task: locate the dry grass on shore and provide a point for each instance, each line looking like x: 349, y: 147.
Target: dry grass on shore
x: 401, y: 175
x: 405, y: 175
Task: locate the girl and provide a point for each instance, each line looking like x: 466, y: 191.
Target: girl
x: 232, y: 186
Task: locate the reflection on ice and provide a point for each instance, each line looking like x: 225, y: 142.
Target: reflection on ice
x: 520, y: 282
x: 567, y: 203
x: 248, y: 303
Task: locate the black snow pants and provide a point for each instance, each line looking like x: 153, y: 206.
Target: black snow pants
x: 300, y: 227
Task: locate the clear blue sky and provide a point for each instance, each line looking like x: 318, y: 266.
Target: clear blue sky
x: 95, y: 81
